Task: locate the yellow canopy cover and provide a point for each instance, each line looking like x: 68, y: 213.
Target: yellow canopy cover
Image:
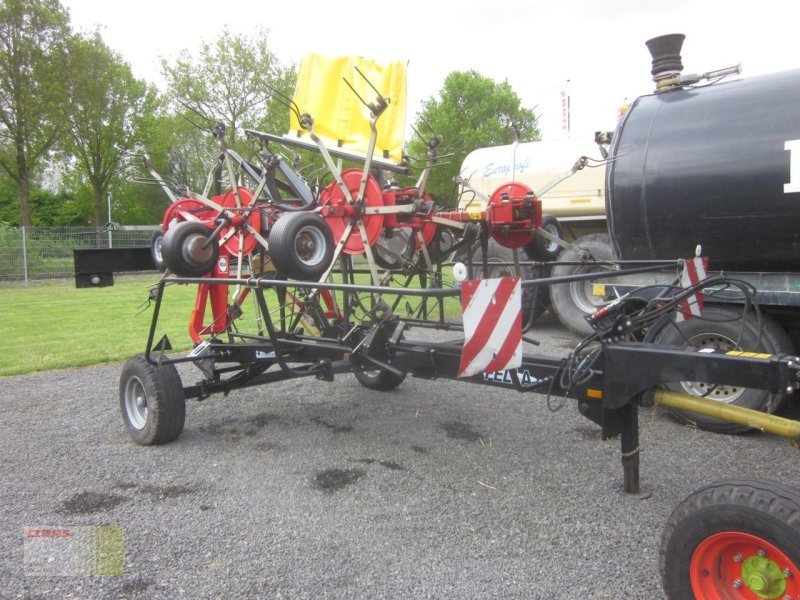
x: 339, y: 117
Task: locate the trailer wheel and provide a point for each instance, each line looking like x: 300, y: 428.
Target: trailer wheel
x: 155, y: 251
x: 379, y: 380
x: 573, y: 301
x: 183, y: 249
x: 542, y: 249
x: 721, y: 327
x: 535, y: 300
x: 301, y: 245
x: 733, y: 539
x: 152, y: 401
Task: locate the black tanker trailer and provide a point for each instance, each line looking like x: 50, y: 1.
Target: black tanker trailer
x: 712, y: 163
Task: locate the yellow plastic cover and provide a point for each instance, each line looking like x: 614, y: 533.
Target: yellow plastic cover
x: 340, y: 119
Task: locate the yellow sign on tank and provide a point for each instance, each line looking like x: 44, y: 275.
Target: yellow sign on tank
x: 340, y: 119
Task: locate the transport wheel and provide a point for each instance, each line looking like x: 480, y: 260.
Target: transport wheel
x: 733, y: 539
x: 155, y: 251
x: 535, y: 300
x: 183, y: 251
x: 575, y: 300
x: 301, y: 245
x: 721, y: 328
x: 152, y: 401
x: 542, y: 249
x: 382, y: 381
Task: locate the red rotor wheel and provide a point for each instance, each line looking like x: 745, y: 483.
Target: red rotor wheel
x: 510, y: 221
x: 240, y: 216
x: 338, y: 211
x: 188, y: 209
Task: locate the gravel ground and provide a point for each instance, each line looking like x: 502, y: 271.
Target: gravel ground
x: 314, y: 490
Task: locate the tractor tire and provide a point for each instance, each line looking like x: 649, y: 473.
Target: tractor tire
x: 720, y: 327
x: 733, y: 539
x: 535, y: 300
x: 183, y: 251
x: 573, y: 301
x: 152, y: 401
x: 542, y: 249
x: 301, y: 245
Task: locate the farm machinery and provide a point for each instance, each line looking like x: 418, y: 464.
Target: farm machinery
x: 340, y: 276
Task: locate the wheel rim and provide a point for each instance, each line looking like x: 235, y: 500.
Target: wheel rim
x: 582, y: 293
x: 720, y: 393
x: 157, y: 249
x: 734, y: 564
x: 309, y: 245
x: 193, y: 251
x: 136, y: 402
x: 551, y: 247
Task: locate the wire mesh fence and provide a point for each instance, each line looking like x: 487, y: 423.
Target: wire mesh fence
x: 31, y: 253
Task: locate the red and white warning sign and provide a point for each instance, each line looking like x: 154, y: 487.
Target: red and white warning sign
x: 694, y: 271
x: 492, y: 325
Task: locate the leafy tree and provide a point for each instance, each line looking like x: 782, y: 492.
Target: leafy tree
x: 33, y: 34
x: 472, y: 111
x: 232, y: 82
x: 104, y: 100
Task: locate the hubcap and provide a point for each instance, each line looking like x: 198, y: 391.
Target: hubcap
x: 310, y: 245
x: 735, y: 564
x: 193, y: 250
x: 136, y: 402
x: 720, y: 393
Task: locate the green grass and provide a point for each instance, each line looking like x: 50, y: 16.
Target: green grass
x: 53, y: 325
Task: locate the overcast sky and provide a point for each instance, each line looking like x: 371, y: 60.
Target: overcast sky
x: 536, y: 45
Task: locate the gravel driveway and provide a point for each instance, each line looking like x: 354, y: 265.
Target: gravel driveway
x: 312, y: 490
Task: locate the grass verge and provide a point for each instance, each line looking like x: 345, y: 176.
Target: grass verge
x: 53, y: 325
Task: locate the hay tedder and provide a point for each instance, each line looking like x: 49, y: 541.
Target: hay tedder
x: 340, y: 274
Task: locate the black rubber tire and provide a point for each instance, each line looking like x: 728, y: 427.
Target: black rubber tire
x: 382, y: 381
x: 535, y: 300
x: 720, y: 327
x: 162, y: 418
x: 572, y: 302
x: 542, y: 249
x: 766, y: 509
x: 301, y: 245
x: 155, y: 251
x: 183, y: 252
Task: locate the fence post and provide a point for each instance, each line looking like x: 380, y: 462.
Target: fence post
x: 24, y: 257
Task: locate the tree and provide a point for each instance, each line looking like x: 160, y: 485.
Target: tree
x: 472, y: 111
x: 104, y: 101
x: 33, y: 34
x: 232, y: 82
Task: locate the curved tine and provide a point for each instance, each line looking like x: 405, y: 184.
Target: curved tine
x: 285, y: 100
x: 352, y: 89
x: 199, y: 113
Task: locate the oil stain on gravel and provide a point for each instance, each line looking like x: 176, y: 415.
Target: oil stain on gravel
x: 235, y: 428
x: 461, y: 431
x: 168, y: 491
x: 391, y: 465
x: 86, y: 503
x: 333, y: 480
x: 138, y: 584
x: 333, y: 428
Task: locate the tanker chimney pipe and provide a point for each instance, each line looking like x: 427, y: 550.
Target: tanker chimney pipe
x: 666, y: 53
